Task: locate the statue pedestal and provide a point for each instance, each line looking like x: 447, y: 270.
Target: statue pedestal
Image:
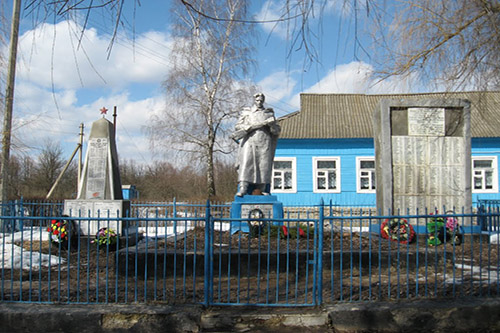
x: 267, y: 206
x: 102, y: 209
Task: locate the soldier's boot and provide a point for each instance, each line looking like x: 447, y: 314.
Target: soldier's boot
x: 243, y: 188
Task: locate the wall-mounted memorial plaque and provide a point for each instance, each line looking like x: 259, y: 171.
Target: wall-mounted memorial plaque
x: 422, y: 152
x: 426, y: 121
x: 267, y: 210
x: 109, y: 212
x: 250, y: 207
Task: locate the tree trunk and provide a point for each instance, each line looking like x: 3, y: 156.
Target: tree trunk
x: 210, y: 172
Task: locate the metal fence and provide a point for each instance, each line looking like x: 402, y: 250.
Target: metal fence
x: 186, y: 254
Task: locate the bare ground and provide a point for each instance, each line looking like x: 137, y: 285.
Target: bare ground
x: 355, y: 266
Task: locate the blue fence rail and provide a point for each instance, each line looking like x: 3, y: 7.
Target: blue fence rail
x: 188, y: 255
x: 488, y: 221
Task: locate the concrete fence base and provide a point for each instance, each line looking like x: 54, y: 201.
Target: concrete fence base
x: 477, y: 315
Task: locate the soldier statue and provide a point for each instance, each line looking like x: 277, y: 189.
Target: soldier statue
x: 256, y: 132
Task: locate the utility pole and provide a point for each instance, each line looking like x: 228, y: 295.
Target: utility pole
x: 80, y: 154
x: 114, y: 119
x: 9, y: 101
x: 79, y: 148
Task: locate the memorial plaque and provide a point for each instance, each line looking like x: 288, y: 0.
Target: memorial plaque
x: 264, y: 206
x: 88, y: 209
x: 426, y: 121
x: 96, y: 178
x: 267, y: 210
x: 429, y: 166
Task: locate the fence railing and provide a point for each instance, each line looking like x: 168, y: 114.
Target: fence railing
x: 190, y: 256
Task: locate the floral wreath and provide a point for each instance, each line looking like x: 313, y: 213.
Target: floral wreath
x: 397, y: 229
x: 105, y: 236
x: 59, y: 231
x: 440, y: 228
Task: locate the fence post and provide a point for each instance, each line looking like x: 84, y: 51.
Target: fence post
x: 319, y: 287
x: 208, y: 246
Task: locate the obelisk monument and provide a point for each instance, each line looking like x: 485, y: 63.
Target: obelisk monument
x: 99, y: 189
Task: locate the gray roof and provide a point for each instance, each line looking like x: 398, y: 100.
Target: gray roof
x: 350, y: 115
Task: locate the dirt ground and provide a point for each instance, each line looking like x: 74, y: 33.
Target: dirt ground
x: 258, y: 269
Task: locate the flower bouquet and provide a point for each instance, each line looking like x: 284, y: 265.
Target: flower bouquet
x: 105, y: 236
x: 59, y: 231
x: 397, y: 229
x: 443, y: 229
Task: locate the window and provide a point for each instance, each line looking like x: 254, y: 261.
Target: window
x: 484, y: 174
x: 284, y: 175
x: 365, y: 171
x: 326, y: 174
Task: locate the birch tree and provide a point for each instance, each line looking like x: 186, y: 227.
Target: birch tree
x: 452, y: 43
x: 206, y: 86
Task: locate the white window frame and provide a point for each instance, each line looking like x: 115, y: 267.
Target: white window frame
x: 359, y: 159
x: 315, y: 174
x: 294, y: 175
x: 494, y: 166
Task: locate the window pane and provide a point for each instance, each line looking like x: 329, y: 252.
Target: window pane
x: 489, y: 179
x: 277, y: 183
x: 332, y: 180
x: 477, y: 183
x: 326, y: 164
x: 283, y: 165
x: 367, y: 164
x: 364, y: 183
x: 288, y: 180
x: 321, y: 183
x: 482, y: 164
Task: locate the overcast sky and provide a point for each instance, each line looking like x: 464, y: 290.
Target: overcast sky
x: 61, y: 83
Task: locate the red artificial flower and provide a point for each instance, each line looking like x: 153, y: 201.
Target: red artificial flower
x: 302, y: 233
x: 56, y: 232
x: 54, y: 221
x: 63, y: 235
x: 58, y: 224
x: 48, y: 229
x: 285, y: 230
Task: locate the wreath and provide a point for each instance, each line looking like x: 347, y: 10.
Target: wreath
x: 105, y: 236
x: 397, y: 229
x: 60, y: 231
x: 255, y: 223
x: 442, y: 229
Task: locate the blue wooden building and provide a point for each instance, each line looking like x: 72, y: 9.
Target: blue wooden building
x: 325, y: 150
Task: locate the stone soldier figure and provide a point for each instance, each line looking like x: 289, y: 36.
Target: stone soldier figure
x: 257, y: 133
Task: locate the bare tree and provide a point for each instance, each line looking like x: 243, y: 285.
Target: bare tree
x: 48, y: 167
x: 454, y: 43
x: 205, y: 87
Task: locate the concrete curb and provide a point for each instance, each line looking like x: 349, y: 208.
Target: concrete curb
x: 242, y: 319
x: 22, y: 317
x: 464, y: 315
x: 478, y: 315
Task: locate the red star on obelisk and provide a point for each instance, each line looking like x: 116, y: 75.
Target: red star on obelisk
x: 103, y: 111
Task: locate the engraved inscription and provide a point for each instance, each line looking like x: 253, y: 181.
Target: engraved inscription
x: 91, y: 209
x: 264, y: 208
x: 426, y: 121
x: 96, y: 181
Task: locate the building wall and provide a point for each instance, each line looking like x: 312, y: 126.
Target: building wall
x: 486, y: 147
x: 304, y: 150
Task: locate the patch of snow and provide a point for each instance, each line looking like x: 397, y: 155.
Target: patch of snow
x: 166, y: 232
x: 494, y: 238
x: 14, y: 256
